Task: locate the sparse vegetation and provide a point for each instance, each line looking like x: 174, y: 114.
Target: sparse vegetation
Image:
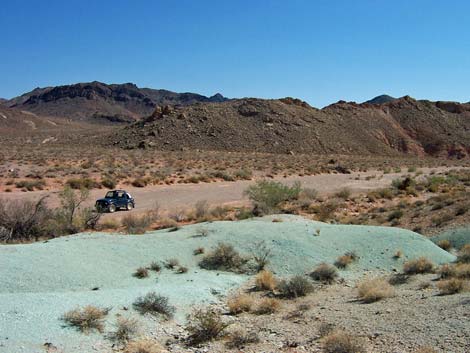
x: 464, y: 254
x: 324, y: 273
x: 268, y: 306
x: 154, y: 304
x: 224, y: 257
x: 144, y: 345
x: 342, y: 342
x: 265, y: 280
x: 267, y: 195
x: 240, y: 303
x: 450, y: 286
x: 141, y: 272
x: 297, y: 286
x: 86, y: 319
x: 239, y: 339
x: 204, y: 325
x: 372, y: 290
x: 126, y: 329
x: 420, y: 265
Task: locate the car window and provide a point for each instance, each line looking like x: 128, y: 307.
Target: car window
x: 110, y: 194
x: 120, y: 194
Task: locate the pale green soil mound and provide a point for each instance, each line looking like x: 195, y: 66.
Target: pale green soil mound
x: 41, y: 281
x: 458, y: 237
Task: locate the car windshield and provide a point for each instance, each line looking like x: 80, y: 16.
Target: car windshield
x: 110, y: 194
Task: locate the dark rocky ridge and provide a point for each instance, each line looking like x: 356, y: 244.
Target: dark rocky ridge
x: 402, y: 126
x: 98, y: 101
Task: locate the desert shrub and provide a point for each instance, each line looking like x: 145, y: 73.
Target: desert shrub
x: 109, y: 223
x: 239, y: 339
x: 342, y: 342
x: 240, y: 303
x: 155, y: 266
x: 204, y: 325
x: 326, y: 210
x: 420, y: 265
x: 65, y: 219
x: 372, y: 290
x: 265, y: 280
x: 447, y: 271
x: 109, y: 183
x: 134, y: 224
x: 139, y: 182
x: 344, y: 193
x: 462, y: 271
x: 141, y: 272
x: 297, y: 286
x: 243, y: 174
x: 268, y: 195
x: 87, y: 319
x: 83, y: 183
x: 154, y: 304
x: 167, y: 223
x: 144, y: 346
x: 398, y: 279
x: 260, y: 253
x: 397, y: 214
x: 225, y: 258
x: 268, y: 306
x: 464, y: 254
x: 325, y: 329
x: 30, y: 185
x: 325, y: 273
x: 450, y: 286
x: 23, y: 220
x: 201, y: 209
x: 308, y: 194
x: 126, y: 328
x: 172, y: 264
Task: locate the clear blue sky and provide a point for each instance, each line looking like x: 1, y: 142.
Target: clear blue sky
x: 320, y: 51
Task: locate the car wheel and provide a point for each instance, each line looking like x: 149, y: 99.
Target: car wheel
x: 112, y: 208
x: 130, y: 206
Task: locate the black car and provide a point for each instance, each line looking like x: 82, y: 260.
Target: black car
x: 115, y: 199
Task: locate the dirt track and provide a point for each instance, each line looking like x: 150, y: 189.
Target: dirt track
x: 171, y: 197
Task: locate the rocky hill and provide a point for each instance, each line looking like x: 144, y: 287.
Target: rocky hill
x: 96, y: 101
x: 384, y: 98
x: 402, y: 126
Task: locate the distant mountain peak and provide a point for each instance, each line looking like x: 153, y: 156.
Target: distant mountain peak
x: 383, y: 98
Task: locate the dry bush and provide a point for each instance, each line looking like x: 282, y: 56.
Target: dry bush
x: 464, y: 254
x: 144, y: 346
x: 420, y: 265
x: 268, y: 306
x: 344, y: 193
x: 398, y: 279
x: 462, y: 271
x: 198, y: 251
x: 126, y: 329
x: 108, y: 224
x: 141, y: 272
x: 154, y: 304
x: 297, y: 286
x: 240, y: 338
x: 87, y: 319
x: 171, y: 264
x: 372, y: 290
x: 326, y: 210
x: 225, y: 258
x: 325, y: 329
x: 134, y: 224
x: 343, y: 261
x: 342, y: 342
x: 324, y: 273
x: 444, y: 244
x: 23, y: 220
x: 265, y: 280
x: 201, y: 210
x: 450, y: 286
x: 155, y: 266
x: 204, y: 325
x: 260, y: 254
x: 240, y: 303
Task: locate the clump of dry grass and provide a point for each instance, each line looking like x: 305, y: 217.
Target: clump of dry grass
x: 265, y: 280
x: 240, y: 303
x: 372, y: 290
x: 464, y: 254
x: 204, y: 325
x: 171, y: 264
x: 224, y: 257
x: 451, y: 286
x: 420, y: 265
x: 345, y: 260
x: 87, y: 319
x: 141, y: 272
x: 155, y: 266
x: 444, y: 244
x: 462, y: 271
x: 268, y: 306
x: 240, y: 338
x: 447, y: 271
x: 297, y: 286
x: 154, y: 304
x: 342, y: 342
x: 324, y: 273
x: 126, y: 328
x: 144, y: 346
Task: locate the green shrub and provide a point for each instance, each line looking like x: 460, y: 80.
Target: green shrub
x: 267, y: 195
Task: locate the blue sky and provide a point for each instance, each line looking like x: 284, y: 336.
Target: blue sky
x: 320, y: 51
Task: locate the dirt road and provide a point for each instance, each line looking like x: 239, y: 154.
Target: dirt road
x: 171, y: 197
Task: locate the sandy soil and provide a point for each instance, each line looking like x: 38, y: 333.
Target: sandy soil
x: 178, y: 196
